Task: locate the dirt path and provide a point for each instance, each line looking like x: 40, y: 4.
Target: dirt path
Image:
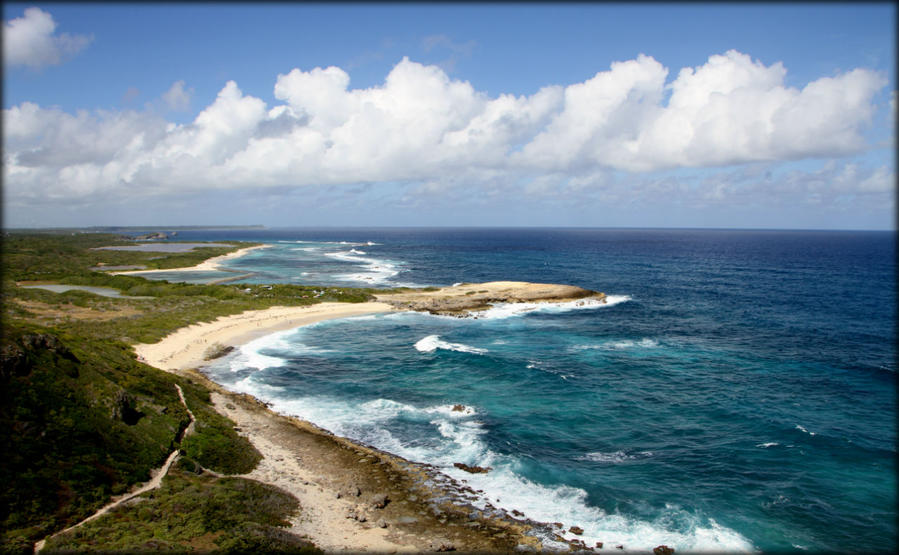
x: 156, y: 477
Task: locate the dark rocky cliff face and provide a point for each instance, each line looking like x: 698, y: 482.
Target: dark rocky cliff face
x: 21, y: 356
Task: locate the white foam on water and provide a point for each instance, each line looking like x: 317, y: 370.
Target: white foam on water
x: 431, y: 343
x: 621, y: 344
x: 376, y: 271
x: 249, y: 355
x: 507, y: 310
x: 616, y: 456
x: 569, y: 505
x: 767, y: 445
x: 801, y: 428
x: 253, y: 354
x: 459, y: 437
x: 451, y: 411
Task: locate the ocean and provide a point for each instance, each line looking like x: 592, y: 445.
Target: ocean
x: 736, y: 393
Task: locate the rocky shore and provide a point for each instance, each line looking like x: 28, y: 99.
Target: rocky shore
x: 355, y: 497
x: 466, y: 299
x: 358, y: 498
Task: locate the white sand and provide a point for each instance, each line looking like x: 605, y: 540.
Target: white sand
x: 209, y: 264
x: 185, y: 348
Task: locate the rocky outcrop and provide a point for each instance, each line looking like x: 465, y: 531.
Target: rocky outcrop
x: 462, y: 300
x: 18, y: 358
x: 158, y: 236
x: 124, y: 408
x: 472, y: 469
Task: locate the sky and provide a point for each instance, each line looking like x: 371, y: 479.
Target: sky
x: 601, y: 115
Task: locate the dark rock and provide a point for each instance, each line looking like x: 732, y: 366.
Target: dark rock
x: 458, y: 408
x: 619, y: 547
x: 558, y: 525
x: 380, y: 500
x: 598, y: 545
x: 578, y: 544
x: 663, y: 550
x: 29, y: 352
x: 576, y: 530
x: 517, y: 513
x: 473, y: 469
x: 381, y: 523
x: 123, y: 408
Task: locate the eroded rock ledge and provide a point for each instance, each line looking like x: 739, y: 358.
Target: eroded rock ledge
x: 466, y: 298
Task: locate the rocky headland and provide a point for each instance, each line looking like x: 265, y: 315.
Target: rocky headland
x: 466, y: 299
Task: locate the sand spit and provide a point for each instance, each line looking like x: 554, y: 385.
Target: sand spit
x: 464, y: 298
x: 207, y: 265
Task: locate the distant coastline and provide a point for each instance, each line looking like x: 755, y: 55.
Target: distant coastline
x: 210, y: 264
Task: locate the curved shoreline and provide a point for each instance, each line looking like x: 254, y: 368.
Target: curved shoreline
x: 185, y: 348
x: 338, y: 481
x: 210, y: 264
x: 427, y: 510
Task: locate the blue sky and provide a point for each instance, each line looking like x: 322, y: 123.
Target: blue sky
x: 505, y: 114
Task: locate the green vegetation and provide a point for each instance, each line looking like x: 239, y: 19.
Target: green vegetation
x: 81, y: 420
x: 34, y: 256
x: 215, y: 444
x: 68, y: 259
x: 193, y: 512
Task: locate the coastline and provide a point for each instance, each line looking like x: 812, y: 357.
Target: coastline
x: 341, y: 485
x: 355, y: 497
x: 185, y: 348
x: 210, y: 264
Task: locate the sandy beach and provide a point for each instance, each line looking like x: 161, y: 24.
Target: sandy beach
x: 342, y: 486
x: 209, y: 264
x: 186, y: 347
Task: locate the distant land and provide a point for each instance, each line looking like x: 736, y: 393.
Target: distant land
x: 131, y: 229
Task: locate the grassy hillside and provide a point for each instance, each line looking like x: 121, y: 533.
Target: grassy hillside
x: 81, y: 420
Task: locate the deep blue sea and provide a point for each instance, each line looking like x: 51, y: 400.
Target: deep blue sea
x: 738, y: 392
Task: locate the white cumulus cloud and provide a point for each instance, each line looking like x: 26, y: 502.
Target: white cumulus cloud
x: 30, y: 41
x: 421, y: 125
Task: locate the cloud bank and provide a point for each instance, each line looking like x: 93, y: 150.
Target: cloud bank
x: 422, y: 126
x: 29, y: 41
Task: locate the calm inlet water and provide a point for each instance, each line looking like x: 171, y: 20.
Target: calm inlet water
x: 738, y: 391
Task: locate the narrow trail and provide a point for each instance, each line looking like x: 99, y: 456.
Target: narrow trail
x: 156, y: 476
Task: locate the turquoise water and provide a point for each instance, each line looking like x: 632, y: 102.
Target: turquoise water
x: 738, y: 392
